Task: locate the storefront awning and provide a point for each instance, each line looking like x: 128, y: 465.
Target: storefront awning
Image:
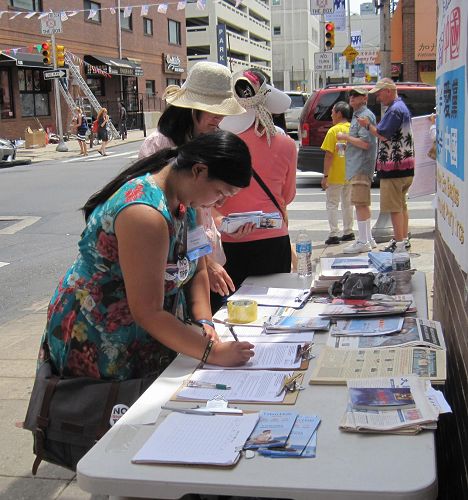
x: 115, y: 66
x: 24, y: 59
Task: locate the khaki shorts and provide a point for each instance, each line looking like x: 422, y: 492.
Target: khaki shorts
x: 360, y: 190
x: 393, y: 194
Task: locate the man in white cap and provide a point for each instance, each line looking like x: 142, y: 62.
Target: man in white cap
x: 360, y: 165
x: 395, y: 159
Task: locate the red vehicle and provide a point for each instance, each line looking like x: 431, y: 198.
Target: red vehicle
x: 315, y: 119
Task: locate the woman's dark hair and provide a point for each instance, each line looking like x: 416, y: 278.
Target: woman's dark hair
x: 177, y: 123
x: 226, y: 156
x: 344, y: 108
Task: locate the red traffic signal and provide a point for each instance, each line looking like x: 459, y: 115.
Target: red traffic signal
x: 329, y: 35
x: 46, y: 53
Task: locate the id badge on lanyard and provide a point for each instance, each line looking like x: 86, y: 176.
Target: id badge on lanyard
x: 198, y: 244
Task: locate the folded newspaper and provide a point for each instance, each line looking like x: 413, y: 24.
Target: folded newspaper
x: 411, y: 420
x: 232, y: 222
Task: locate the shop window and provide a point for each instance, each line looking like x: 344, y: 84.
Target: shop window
x: 34, y: 93
x: 150, y: 87
x: 35, y: 5
x: 88, y: 6
x: 148, y: 26
x: 126, y: 23
x: 172, y: 81
x: 96, y: 84
x: 7, y: 109
x: 174, y: 32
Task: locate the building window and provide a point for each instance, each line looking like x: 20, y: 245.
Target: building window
x: 174, y: 32
x: 34, y: 93
x: 88, y: 6
x: 96, y: 84
x: 7, y: 109
x: 275, y: 2
x: 126, y: 23
x: 150, y: 87
x: 172, y: 81
x: 35, y: 5
x: 276, y: 30
x: 148, y: 26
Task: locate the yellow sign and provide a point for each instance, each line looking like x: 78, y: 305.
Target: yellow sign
x: 350, y: 53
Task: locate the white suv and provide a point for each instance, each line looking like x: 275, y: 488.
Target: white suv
x: 298, y: 99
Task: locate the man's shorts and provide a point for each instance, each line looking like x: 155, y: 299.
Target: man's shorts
x: 393, y: 194
x: 360, y: 190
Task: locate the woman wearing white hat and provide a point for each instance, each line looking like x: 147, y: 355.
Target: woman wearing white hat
x: 274, y: 161
x: 197, y: 108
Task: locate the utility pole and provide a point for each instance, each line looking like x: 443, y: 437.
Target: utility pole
x: 350, y: 75
x: 385, y: 39
x: 61, y: 147
x: 322, y: 74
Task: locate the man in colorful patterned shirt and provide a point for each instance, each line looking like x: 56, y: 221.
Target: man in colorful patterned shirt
x: 395, y: 159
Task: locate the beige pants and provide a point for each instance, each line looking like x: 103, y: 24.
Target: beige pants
x: 334, y: 194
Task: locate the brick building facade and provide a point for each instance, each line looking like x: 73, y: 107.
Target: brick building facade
x: 152, y: 55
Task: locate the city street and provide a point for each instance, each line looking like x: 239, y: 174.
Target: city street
x: 40, y: 220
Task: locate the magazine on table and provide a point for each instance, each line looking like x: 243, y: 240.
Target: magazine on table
x: 327, y: 272
x: 336, y: 366
x: 381, y: 398
x: 367, y: 307
x: 281, y: 324
x: 350, y: 263
x: 305, y: 427
x: 414, y: 332
x: 406, y: 420
x: 272, y: 429
x: 368, y: 326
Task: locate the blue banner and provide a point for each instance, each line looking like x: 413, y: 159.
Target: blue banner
x: 222, y: 44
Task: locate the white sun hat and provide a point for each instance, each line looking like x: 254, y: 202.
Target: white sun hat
x: 260, y: 100
x: 208, y: 88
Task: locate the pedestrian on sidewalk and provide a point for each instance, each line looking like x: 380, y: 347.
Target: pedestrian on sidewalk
x: 121, y: 312
x: 334, y: 176
x: 395, y: 159
x: 103, y: 135
x: 122, y: 121
x: 274, y: 163
x: 82, y: 130
x: 197, y: 108
x: 360, y: 164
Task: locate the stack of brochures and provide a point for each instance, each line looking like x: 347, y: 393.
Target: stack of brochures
x: 382, y: 261
x: 283, y: 324
x: 395, y: 405
x: 376, y: 333
x: 284, y: 434
x: 232, y: 222
x: 365, y: 307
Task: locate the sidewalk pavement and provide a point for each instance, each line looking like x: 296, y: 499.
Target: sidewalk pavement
x: 49, y: 152
x: 19, y: 344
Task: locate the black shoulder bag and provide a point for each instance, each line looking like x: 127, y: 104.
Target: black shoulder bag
x: 270, y: 195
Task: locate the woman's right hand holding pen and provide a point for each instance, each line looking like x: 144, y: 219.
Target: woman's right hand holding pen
x: 231, y: 353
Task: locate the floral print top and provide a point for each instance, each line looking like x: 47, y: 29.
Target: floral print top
x: 90, y: 330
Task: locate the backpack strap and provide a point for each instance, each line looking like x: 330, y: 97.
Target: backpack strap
x: 42, y: 422
x: 111, y: 399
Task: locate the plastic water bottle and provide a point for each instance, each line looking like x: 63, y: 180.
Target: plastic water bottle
x: 304, y: 254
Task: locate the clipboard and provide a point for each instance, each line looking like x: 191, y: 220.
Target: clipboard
x: 290, y: 398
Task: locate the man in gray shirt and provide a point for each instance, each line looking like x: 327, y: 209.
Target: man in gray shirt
x: 360, y: 164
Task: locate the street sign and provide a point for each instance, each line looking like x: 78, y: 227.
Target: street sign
x: 51, y: 24
x: 318, y: 7
x: 55, y: 73
x: 323, y: 61
x: 350, y: 53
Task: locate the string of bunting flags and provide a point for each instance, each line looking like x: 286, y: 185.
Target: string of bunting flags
x: 161, y: 8
x: 30, y: 49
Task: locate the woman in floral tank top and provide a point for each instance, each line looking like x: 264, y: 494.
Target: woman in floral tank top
x: 119, y: 311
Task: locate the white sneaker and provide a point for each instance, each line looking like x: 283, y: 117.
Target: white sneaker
x: 373, y: 243
x: 358, y: 247
x: 400, y: 247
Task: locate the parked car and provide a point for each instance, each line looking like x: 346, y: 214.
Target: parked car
x: 315, y: 119
x: 7, y: 150
x: 298, y: 99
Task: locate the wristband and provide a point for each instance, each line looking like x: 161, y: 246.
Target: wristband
x: 207, y: 351
x: 202, y: 322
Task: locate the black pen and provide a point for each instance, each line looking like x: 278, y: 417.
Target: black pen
x: 233, y: 333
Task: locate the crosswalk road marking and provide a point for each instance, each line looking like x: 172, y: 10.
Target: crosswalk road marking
x: 4, y: 264
x: 97, y: 156
x: 320, y: 206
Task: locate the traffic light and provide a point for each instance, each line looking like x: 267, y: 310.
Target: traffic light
x: 47, y: 53
x: 60, y: 55
x: 329, y: 35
